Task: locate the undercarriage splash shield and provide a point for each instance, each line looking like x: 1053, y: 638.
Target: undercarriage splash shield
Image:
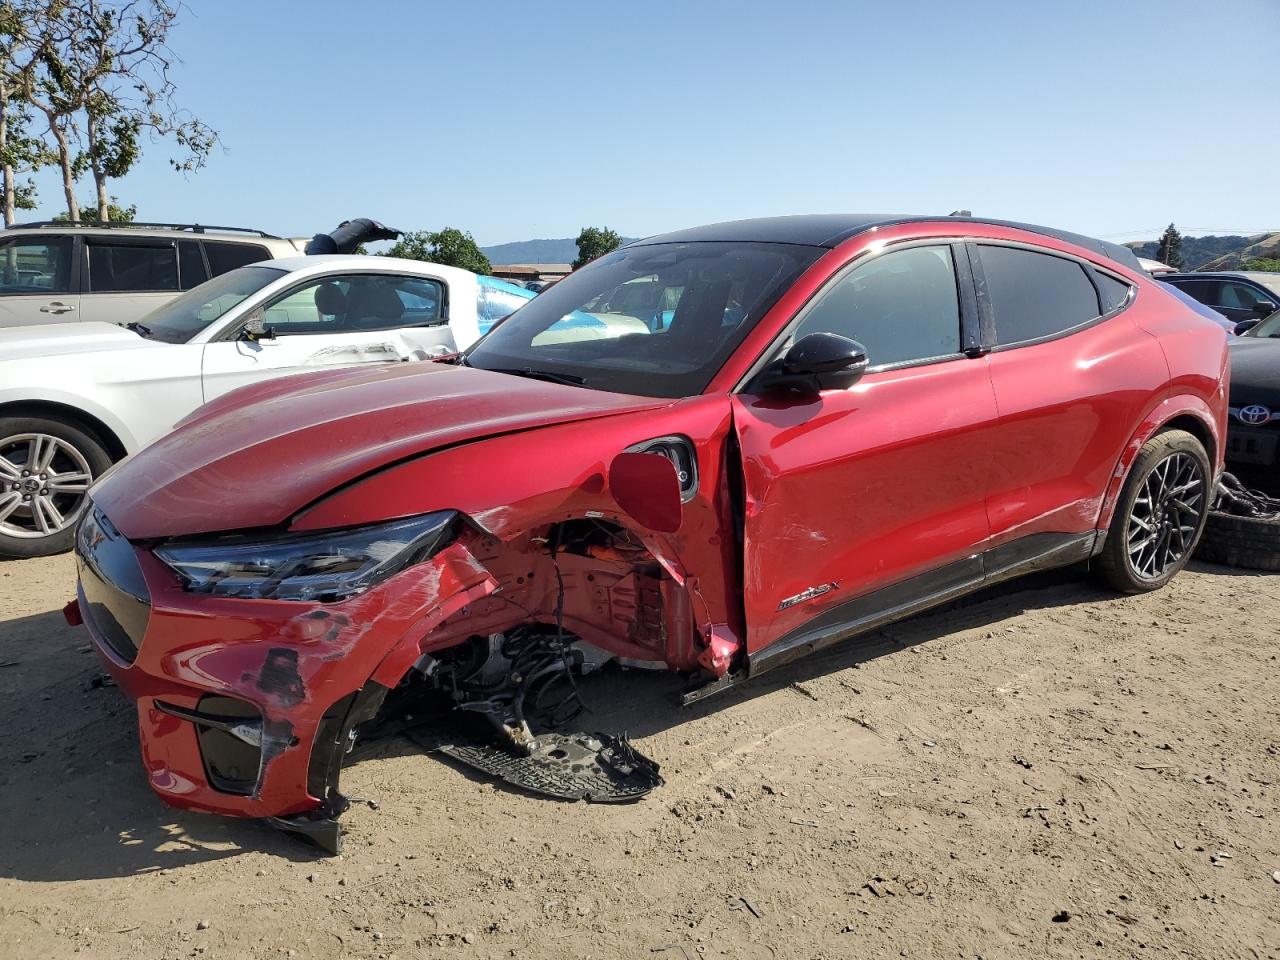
x: 577, y: 766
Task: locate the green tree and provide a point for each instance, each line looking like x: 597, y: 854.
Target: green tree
x: 1269, y: 264
x: 449, y: 246
x: 595, y: 242
x: 116, y: 213
x: 1170, y: 249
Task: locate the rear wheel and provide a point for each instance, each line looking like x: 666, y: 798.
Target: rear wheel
x: 46, y: 467
x: 1161, y: 514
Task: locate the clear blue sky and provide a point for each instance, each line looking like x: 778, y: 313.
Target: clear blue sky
x: 516, y: 119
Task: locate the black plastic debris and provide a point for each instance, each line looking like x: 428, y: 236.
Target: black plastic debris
x: 577, y: 766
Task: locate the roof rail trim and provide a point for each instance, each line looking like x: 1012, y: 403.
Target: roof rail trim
x: 141, y: 225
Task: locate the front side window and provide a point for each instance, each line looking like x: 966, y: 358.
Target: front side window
x: 36, y: 265
x: 187, y: 315
x: 902, y: 306
x: 1239, y: 296
x: 1035, y: 295
x: 354, y: 303
x: 224, y: 256
x: 132, y: 268
x: 656, y: 320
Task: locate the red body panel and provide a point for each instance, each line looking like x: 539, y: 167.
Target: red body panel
x: 319, y: 431
x: 825, y: 499
x: 861, y: 488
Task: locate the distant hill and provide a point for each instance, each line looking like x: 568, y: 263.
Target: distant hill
x: 1216, y: 253
x: 536, y: 251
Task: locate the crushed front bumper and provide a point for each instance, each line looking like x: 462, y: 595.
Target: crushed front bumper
x: 246, y: 707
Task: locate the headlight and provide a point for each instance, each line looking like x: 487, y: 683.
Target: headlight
x: 327, y: 566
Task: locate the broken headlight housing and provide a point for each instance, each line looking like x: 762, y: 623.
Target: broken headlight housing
x: 327, y: 566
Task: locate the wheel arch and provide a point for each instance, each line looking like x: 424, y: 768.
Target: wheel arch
x: 110, y: 439
x: 1189, y: 413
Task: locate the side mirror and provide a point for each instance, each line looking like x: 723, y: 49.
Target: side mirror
x: 820, y: 361
x: 1244, y: 326
x: 254, y: 330
x: 1264, y: 308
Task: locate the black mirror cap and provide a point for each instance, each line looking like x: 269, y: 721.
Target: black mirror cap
x: 819, y: 361
x: 1244, y: 326
x: 1264, y: 308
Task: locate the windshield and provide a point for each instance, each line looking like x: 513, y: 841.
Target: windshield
x: 655, y: 320
x: 1269, y: 327
x: 183, y: 317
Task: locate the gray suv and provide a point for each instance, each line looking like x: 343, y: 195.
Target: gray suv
x: 115, y: 272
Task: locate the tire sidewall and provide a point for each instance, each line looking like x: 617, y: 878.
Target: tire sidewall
x: 89, y: 446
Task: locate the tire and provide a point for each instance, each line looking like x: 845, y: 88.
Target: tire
x: 1160, y: 515
x: 39, y: 511
x: 1249, y: 542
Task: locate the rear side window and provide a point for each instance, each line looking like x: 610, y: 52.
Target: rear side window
x: 191, y: 268
x: 132, y: 268
x: 1035, y: 295
x: 227, y: 256
x: 901, y: 306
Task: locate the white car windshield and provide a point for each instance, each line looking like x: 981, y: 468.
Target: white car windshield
x: 182, y: 318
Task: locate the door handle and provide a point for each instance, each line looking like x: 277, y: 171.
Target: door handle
x: 56, y: 307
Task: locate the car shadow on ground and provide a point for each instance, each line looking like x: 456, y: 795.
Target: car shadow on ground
x: 77, y: 805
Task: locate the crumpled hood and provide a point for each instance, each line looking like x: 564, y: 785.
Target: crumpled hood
x: 255, y: 457
x: 62, y: 339
x: 1255, y: 371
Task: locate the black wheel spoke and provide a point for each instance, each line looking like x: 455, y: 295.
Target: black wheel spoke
x: 1165, y: 515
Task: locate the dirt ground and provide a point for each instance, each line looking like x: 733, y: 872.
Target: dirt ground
x: 1046, y: 771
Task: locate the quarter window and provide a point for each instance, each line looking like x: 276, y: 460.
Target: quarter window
x: 1035, y: 295
x: 1114, y: 292
x: 36, y: 265
x: 132, y: 268
x: 901, y: 306
x: 227, y: 256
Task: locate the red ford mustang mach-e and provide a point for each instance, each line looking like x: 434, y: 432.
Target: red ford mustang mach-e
x: 709, y: 452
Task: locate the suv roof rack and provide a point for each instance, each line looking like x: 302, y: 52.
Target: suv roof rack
x: 126, y: 224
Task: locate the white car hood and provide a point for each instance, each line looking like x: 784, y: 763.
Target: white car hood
x: 62, y: 339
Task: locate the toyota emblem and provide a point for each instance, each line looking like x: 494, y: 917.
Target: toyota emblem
x: 1255, y: 414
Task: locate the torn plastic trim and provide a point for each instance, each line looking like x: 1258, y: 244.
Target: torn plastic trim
x: 247, y: 731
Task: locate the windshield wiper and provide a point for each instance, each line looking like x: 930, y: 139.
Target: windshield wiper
x: 549, y: 375
x: 141, y: 329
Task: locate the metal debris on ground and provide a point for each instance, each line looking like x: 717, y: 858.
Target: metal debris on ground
x: 578, y: 766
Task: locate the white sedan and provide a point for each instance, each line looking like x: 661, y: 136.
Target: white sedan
x: 74, y: 398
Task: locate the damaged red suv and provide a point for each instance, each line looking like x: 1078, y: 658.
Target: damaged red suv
x: 709, y: 452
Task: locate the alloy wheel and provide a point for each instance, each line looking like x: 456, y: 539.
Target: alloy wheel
x: 1165, y: 515
x: 44, y: 483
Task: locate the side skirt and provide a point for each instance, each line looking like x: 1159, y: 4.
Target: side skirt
x: 1041, y: 551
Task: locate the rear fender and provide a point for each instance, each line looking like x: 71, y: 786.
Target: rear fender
x: 1165, y: 412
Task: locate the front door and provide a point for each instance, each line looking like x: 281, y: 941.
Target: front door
x: 332, y: 321
x: 39, y: 280
x: 875, y: 493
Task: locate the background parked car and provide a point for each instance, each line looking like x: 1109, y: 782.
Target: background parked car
x: 1237, y: 295
x: 76, y: 397
x: 51, y: 271
x: 1253, y: 431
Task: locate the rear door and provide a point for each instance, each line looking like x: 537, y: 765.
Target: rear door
x: 39, y: 280
x: 337, y: 320
x: 127, y: 277
x: 1073, y: 378
x: 862, y: 499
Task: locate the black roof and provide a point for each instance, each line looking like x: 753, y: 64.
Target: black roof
x: 832, y: 229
